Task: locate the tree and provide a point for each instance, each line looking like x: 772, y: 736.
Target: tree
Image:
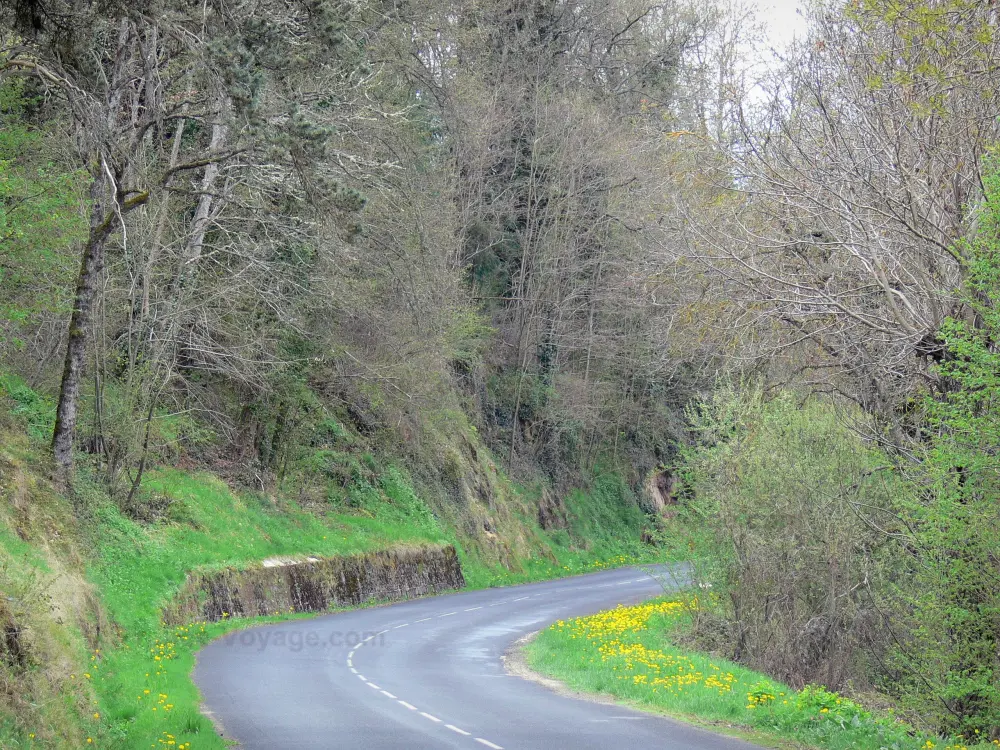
x: 856, y: 183
x: 555, y: 114
x: 151, y: 135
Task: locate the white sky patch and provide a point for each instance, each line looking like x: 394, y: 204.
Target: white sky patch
x: 782, y: 20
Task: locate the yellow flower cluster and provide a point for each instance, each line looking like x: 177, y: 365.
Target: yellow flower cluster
x: 161, y: 702
x: 760, y: 698
x: 614, y: 562
x: 929, y: 745
x: 162, y: 651
x: 169, y: 740
x: 620, y: 620
x: 613, y: 634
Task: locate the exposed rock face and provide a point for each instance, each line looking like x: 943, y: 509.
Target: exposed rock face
x: 661, y: 492
x: 316, y: 585
x: 551, y: 511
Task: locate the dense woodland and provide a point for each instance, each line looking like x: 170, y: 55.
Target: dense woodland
x: 579, y: 235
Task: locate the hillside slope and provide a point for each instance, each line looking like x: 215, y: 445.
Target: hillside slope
x: 85, y: 578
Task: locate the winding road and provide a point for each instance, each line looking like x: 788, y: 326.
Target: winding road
x: 427, y: 673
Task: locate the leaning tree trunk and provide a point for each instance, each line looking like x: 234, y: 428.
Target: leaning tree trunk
x: 103, y: 215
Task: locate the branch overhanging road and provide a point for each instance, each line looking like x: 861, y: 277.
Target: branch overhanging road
x: 429, y: 673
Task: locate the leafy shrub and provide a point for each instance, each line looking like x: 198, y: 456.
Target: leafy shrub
x: 788, y: 493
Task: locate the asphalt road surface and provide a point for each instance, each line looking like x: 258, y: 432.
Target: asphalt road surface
x: 427, y: 674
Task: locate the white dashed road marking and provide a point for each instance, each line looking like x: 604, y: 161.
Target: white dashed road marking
x: 431, y: 717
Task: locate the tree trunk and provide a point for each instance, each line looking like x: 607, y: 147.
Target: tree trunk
x: 102, y: 218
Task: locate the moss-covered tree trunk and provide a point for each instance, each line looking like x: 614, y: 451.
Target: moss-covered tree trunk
x: 102, y: 217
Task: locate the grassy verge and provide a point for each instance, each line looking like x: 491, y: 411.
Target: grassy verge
x: 603, y: 530
x: 626, y: 653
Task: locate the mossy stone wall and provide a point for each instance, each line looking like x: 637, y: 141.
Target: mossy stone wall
x: 317, y: 585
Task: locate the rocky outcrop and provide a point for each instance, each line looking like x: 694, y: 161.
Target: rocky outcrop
x: 316, y: 585
x: 660, y: 492
x: 552, y: 513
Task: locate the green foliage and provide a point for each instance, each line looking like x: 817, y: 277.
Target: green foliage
x: 405, y: 505
x: 530, y: 392
x: 467, y: 338
x: 604, y: 530
x: 793, y: 499
x: 331, y: 431
x: 37, y: 411
x: 40, y: 220
x: 607, y: 514
x: 956, y: 519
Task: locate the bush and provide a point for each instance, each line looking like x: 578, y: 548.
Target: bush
x: 789, y: 495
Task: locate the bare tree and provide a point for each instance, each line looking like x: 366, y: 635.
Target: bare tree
x: 855, y: 185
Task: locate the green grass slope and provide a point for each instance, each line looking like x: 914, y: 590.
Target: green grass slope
x: 84, y: 581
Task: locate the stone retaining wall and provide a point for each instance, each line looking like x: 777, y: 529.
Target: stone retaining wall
x: 316, y: 585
